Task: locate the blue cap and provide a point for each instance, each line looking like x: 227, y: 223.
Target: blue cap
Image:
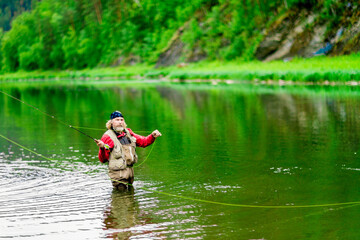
x: 116, y: 114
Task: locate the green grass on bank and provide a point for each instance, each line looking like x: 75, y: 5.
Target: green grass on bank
x: 339, y: 69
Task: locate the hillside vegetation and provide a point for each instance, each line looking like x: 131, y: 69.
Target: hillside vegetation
x: 78, y: 34
x: 9, y: 9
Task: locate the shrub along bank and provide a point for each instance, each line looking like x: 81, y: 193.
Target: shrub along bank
x: 317, y: 69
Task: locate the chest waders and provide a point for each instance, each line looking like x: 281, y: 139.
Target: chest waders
x: 122, y: 158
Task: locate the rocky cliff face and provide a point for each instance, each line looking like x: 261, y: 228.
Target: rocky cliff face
x: 307, y: 34
x: 174, y: 50
x: 303, y: 31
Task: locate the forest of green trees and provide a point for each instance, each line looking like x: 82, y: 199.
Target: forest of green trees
x: 76, y: 34
x: 9, y: 9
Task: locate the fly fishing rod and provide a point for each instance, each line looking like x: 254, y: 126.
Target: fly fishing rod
x: 51, y: 116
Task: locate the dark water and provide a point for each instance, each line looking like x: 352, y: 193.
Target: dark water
x: 239, y: 144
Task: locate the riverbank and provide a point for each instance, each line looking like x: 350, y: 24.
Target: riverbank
x: 312, y: 70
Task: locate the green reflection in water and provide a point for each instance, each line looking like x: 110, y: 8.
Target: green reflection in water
x: 264, y: 145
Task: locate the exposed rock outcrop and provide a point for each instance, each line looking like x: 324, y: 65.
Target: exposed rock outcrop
x: 295, y: 35
x: 304, y: 31
x: 172, y: 54
x: 173, y: 51
x: 307, y: 34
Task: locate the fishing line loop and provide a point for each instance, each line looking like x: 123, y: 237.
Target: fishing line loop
x: 170, y: 194
x: 207, y: 201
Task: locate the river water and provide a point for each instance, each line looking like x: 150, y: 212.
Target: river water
x: 226, y: 144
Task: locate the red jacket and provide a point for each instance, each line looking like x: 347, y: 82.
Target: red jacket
x: 141, y: 141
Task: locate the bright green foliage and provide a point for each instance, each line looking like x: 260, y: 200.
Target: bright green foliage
x: 77, y: 34
x: 17, y: 42
x: 192, y: 35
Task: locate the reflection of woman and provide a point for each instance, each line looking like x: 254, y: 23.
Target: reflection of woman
x: 122, y: 213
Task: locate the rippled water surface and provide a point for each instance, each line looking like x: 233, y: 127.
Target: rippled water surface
x: 222, y: 147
